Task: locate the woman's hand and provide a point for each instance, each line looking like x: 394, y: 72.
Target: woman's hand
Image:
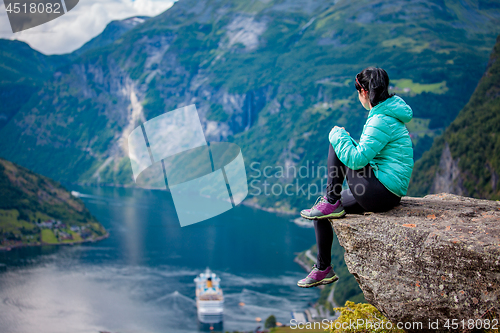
x: 341, y: 128
x: 334, y: 130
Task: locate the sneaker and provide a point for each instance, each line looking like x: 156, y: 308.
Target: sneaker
x: 324, y: 210
x: 317, y: 277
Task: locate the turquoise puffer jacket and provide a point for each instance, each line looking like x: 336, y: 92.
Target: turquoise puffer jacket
x: 385, y: 144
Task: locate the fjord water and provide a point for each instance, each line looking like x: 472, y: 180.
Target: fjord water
x: 140, y: 279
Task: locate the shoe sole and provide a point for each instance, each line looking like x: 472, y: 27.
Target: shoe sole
x: 322, y: 282
x: 329, y: 216
x: 331, y: 280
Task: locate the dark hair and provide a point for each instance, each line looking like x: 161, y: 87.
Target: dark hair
x: 376, y: 82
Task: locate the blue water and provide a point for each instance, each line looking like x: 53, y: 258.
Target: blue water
x: 140, y: 279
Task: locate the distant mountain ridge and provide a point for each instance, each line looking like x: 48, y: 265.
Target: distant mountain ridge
x: 466, y: 159
x: 272, y: 76
x: 113, y: 31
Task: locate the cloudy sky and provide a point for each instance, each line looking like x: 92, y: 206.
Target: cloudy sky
x: 85, y: 21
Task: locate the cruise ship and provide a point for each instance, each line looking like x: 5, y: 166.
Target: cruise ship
x: 209, y: 301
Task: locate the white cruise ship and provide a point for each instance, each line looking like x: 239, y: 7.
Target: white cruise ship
x: 209, y: 299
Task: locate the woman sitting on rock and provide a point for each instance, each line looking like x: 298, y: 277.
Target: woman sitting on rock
x: 378, y: 169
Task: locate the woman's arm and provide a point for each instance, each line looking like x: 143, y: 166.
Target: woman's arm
x: 375, y: 136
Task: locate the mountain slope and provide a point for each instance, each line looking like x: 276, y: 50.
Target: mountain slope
x: 466, y: 159
x: 272, y: 76
x: 22, y: 72
x: 28, y: 200
x: 113, y: 31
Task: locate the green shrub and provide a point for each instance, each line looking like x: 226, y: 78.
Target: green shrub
x: 270, y: 322
x: 368, y: 317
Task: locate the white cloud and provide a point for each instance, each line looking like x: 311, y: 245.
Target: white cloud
x: 70, y: 31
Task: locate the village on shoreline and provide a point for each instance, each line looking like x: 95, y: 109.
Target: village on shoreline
x: 53, y: 232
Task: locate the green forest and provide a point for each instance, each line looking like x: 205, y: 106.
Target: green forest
x: 473, y: 139
x: 35, y: 210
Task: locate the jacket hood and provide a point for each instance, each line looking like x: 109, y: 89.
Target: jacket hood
x: 394, y: 107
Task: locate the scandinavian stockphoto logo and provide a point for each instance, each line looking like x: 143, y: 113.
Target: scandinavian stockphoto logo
x: 170, y: 152
x: 25, y: 14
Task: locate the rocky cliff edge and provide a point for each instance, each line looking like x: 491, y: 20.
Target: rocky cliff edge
x: 432, y: 258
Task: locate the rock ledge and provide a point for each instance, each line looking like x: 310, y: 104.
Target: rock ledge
x: 431, y: 258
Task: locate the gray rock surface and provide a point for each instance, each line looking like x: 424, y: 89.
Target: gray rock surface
x: 448, y: 177
x: 431, y: 258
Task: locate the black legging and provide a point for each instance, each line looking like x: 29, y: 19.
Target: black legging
x: 365, y: 193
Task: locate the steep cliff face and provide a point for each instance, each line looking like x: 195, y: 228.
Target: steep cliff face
x: 448, y: 177
x: 466, y: 159
x: 273, y: 76
x: 431, y: 258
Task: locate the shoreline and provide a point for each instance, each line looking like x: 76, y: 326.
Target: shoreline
x: 247, y: 203
x: 269, y: 210
x: 16, y: 246
x: 301, y: 264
